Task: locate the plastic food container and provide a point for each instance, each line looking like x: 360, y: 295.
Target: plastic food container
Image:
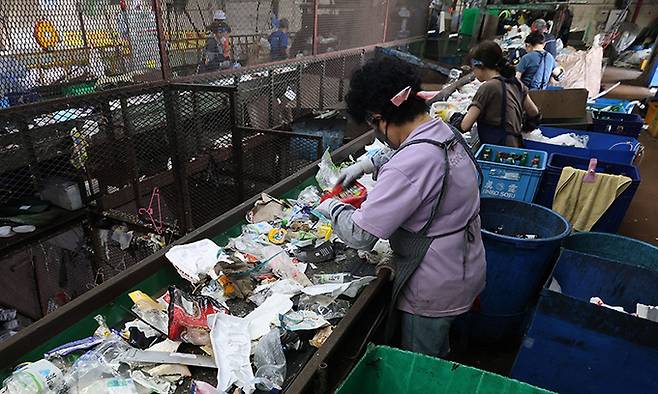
x: 354, y: 196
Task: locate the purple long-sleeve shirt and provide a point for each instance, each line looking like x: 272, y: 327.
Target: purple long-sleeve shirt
x: 444, y: 284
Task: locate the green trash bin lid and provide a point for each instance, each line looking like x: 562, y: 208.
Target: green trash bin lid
x: 387, y: 370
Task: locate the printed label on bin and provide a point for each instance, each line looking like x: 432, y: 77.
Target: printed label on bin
x: 504, y: 174
x: 500, y: 189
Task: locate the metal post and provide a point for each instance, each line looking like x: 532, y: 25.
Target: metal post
x: 132, y: 154
x: 270, y: 100
x: 83, y: 28
x: 236, y: 144
x: 298, y: 87
x: 164, y: 57
x: 341, y: 82
x: 196, y: 117
x: 323, y: 73
x: 33, y: 164
x: 386, y: 21
x: 316, y: 4
x: 177, y: 146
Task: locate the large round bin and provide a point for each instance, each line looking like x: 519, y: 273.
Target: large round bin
x: 614, y: 247
x: 516, y: 268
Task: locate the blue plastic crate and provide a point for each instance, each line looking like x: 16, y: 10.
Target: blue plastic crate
x: 611, y: 105
x: 617, y: 123
x: 574, y: 346
x: 612, y: 218
x: 605, y: 147
x: 510, y: 181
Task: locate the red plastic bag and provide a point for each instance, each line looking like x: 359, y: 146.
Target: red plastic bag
x: 188, y: 316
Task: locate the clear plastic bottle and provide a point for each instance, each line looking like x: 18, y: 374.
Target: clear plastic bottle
x: 41, y: 377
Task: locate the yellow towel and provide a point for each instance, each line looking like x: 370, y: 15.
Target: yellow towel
x: 581, y: 203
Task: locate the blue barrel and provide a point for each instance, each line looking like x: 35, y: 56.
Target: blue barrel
x: 516, y: 268
x: 614, y: 247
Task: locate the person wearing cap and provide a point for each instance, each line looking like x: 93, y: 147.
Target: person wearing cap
x: 537, y: 66
x: 550, y: 42
x: 425, y: 202
x: 279, y: 41
x: 217, y: 51
x: 501, y: 106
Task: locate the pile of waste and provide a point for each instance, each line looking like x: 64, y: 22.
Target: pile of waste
x: 238, y: 318
x: 566, y: 139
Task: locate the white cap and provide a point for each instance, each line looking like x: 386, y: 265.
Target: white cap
x: 219, y: 15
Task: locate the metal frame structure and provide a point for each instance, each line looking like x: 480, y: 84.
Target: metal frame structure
x: 325, y: 369
x: 306, y: 380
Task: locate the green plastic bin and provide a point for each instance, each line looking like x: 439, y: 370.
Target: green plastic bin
x: 387, y: 370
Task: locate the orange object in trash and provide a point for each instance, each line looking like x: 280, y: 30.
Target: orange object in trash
x: 354, y: 196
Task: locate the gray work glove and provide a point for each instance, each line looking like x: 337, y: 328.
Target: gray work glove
x: 328, y: 207
x: 352, y: 173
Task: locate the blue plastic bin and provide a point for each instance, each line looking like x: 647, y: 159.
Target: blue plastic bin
x: 618, y: 123
x: 612, y: 218
x: 574, y: 346
x: 516, y: 268
x: 605, y: 104
x: 605, y: 147
x: 614, y: 247
x: 510, y: 181
x: 331, y: 130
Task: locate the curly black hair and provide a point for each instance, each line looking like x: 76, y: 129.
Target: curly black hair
x: 374, y: 85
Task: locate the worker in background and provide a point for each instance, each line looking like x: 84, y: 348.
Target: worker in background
x: 501, y: 106
x: 537, y: 66
x: 425, y: 202
x: 550, y: 42
x: 279, y: 41
x: 217, y: 52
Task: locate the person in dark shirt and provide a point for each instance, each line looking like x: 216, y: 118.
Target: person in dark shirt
x: 279, y: 41
x: 501, y: 107
x: 550, y: 43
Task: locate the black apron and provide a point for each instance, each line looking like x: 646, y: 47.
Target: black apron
x: 409, y: 248
x: 496, y: 134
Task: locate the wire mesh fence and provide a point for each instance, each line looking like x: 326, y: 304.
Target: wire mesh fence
x: 149, y: 163
x: 54, y: 48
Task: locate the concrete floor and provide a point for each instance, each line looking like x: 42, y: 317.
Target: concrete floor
x: 641, y: 220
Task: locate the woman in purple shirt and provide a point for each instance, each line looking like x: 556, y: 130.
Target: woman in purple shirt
x: 426, y: 203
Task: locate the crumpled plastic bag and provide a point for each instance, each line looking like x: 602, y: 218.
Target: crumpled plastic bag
x: 231, y: 345
x: 283, y: 266
x: 302, y: 320
x: 188, y: 316
x: 334, y: 310
x: 270, y: 362
x: 328, y: 174
x: 195, y: 259
x: 566, y: 139
x: 287, y: 287
x: 309, y: 197
x: 93, y: 366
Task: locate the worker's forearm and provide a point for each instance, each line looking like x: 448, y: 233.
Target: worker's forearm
x: 349, y: 232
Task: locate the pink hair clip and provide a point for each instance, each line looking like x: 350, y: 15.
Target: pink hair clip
x: 404, y: 94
